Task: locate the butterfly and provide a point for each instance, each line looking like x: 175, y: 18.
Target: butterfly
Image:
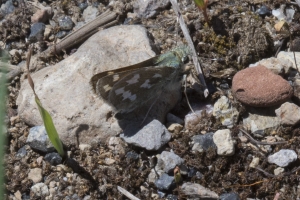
x: 129, y: 88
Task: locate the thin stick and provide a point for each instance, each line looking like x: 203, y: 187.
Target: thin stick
x: 191, y: 45
x: 127, y: 194
x: 261, y: 143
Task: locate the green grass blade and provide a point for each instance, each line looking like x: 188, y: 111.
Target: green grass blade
x: 3, y: 93
x: 50, y: 128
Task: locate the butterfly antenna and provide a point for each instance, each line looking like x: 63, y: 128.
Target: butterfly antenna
x: 187, y: 99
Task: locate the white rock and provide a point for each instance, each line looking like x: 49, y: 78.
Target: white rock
x: 259, y: 120
x: 65, y: 92
x: 35, y: 175
x: 278, y: 170
x: 224, y: 142
x: 40, y: 190
x: 283, y: 157
x: 85, y: 147
x: 196, y: 191
x: 288, y: 114
x: 254, y: 163
x: 290, y: 56
x: 225, y: 112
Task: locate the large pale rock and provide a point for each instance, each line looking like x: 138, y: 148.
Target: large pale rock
x: 261, y: 121
x: 65, y: 92
x: 259, y: 87
x: 288, y: 114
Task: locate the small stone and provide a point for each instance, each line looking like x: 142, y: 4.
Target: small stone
x: 172, y: 197
x: 21, y: 152
x: 117, y: 145
x: 109, y: 161
x: 175, y: 128
x: 151, y: 137
x: 225, y: 112
x: 35, y: 175
x: 149, y: 8
x: 295, y: 45
x: 85, y: 147
x: 278, y: 66
x: 196, y: 191
x: 259, y: 87
x: 165, y: 182
x: 132, y: 155
x: 83, y: 5
x: 90, y: 13
x: 288, y: 114
x: 283, y: 157
x: 18, y: 195
x: 53, y: 158
x: 7, y: 7
x: 203, y: 142
x: 224, y: 142
x: 260, y: 121
x: 61, y: 34
x: 191, y: 120
x: 39, y: 140
x: 254, y: 163
x: 168, y: 161
x: 65, y: 23
x: 229, y: 196
x: 42, y: 15
x: 264, y: 10
x: 36, y: 32
x: 290, y: 56
x: 278, y: 170
x: 39, y: 190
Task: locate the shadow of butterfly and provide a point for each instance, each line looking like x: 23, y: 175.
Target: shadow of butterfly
x: 131, y: 87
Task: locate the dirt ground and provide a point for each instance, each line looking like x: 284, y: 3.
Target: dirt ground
x: 224, y: 46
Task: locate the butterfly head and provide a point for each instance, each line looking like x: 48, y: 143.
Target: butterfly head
x: 182, y: 52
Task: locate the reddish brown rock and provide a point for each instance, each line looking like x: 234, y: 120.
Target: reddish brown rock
x: 259, y: 87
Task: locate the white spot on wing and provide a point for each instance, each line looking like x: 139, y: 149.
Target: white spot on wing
x: 119, y: 91
x: 116, y: 77
x: 107, y: 88
x: 146, y: 84
x: 125, y: 94
x: 157, y: 76
x: 134, y: 79
x: 128, y: 95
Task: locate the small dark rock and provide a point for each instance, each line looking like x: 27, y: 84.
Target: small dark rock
x: 53, y: 158
x: 37, y: 32
x: 161, y: 194
x: 229, y: 196
x: 165, y: 182
x: 61, y: 34
x: 65, y: 23
x: 21, y: 152
x: 205, y: 141
x: 172, y: 197
x: 264, y: 10
x: 8, y: 7
x: 132, y: 155
x: 83, y: 6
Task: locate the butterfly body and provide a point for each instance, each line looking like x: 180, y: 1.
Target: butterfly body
x: 129, y: 88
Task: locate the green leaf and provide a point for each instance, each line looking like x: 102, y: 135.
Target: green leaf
x: 50, y: 128
x: 3, y: 93
x: 199, y: 3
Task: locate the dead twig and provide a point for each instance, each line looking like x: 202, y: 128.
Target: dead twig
x: 105, y: 20
x: 191, y: 45
x: 127, y: 194
x: 253, y: 141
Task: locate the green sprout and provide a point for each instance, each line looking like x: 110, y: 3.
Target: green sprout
x: 202, y: 5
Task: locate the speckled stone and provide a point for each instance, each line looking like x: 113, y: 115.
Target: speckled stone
x: 259, y: 87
